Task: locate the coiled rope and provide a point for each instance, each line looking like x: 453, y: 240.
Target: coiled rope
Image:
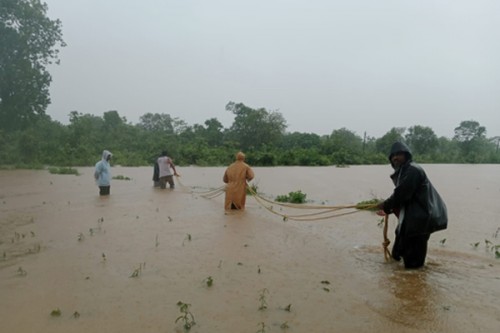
x: 326, y: 212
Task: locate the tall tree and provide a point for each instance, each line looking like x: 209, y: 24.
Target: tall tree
x: 157, y: 122
x: 421, y: 140
x: 254, y: 128
x: 213, y: 132
x: 29, y: 43
x: 384, y: 144
x: 471, y: 137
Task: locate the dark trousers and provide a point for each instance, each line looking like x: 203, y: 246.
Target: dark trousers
x: 413, y: 250
x: 104, y: 190
x: 165, y: 180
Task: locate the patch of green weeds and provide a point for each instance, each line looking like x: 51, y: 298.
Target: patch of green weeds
x: 209, y: 281
x: 285, y: 326
x: 292, y: 197
x: 262, y: 299
x: 56, y: 313
x: 262, y: 327
x: 138, y: 271
x: 252, y: 188
x: 21, y: 272
x: 186, y: 316
x: 187, y: 238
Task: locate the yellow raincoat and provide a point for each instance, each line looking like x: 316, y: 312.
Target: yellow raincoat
x: 236, y: 177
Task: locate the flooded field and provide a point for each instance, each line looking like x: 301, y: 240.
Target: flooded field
x: 122, y: 263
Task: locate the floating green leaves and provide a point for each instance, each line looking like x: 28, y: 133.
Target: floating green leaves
x: 186, y: 316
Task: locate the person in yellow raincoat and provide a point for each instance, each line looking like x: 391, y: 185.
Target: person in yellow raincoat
x: 236, y: 177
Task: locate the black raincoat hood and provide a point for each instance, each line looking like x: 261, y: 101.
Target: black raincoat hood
x: 399, y: 147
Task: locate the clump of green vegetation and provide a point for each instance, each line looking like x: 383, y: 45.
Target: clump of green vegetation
x: 493, y: 248
x: 121, y: 177
x: 21, y: 272
x: 292, y: 197
x: 252, y: 188
x: 56, y: 313
x: 262, y: 299
x: 284, y: 326
x: 369, y: 204
x: 209, y: 281
x: 262, y: 327
x: 186, y: 316
x: 63, y: 171
x: 187, y: 238
x: 138, y: 271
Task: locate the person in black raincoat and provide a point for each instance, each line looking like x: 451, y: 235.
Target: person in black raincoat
x: 418, y: 206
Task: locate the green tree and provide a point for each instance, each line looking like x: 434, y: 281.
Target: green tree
x: 213, y: 132
x: 300, y: 140
x: 471, y: 138
x: 421, y: 140
x: 384, y: 144
x: 86, y: 138
x: 157, y: 122
x: 253, y: 128
x: 29, y: 43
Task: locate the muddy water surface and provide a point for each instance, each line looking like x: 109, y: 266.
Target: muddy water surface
x: 120, y: 264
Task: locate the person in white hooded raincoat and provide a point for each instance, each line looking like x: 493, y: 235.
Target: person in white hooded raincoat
x: 102, y: 173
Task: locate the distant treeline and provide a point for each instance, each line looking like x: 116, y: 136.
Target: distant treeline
x: 29, y: 138
x: 260, y: 133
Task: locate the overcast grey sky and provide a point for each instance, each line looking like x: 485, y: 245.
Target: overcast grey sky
x: 366, y: 65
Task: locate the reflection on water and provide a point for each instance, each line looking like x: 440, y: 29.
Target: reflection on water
x: 414, y: 298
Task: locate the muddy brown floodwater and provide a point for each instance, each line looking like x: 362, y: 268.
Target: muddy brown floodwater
x: 63, y: 247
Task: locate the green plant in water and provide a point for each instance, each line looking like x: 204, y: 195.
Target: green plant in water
x: 63, y: 171
x: 252, y: 188
x: 186, y: 316
x: 262, y: 299
x: 292, y: 197
x: 187, y: 238
x: 285, y: 326
x: 475, y: 245
x: 137, y: 272
x: 262, y: 328
x: 21, y: 272
x: 56, y: 313
x: 209, y: 281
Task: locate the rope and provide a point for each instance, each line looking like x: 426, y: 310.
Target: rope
x: 327, y: 212
x: 209, y: 194
x: 385, y: 244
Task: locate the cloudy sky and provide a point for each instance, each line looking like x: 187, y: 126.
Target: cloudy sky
x: 366, y: 65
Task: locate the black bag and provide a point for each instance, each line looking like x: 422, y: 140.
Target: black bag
x: 439, y: 213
